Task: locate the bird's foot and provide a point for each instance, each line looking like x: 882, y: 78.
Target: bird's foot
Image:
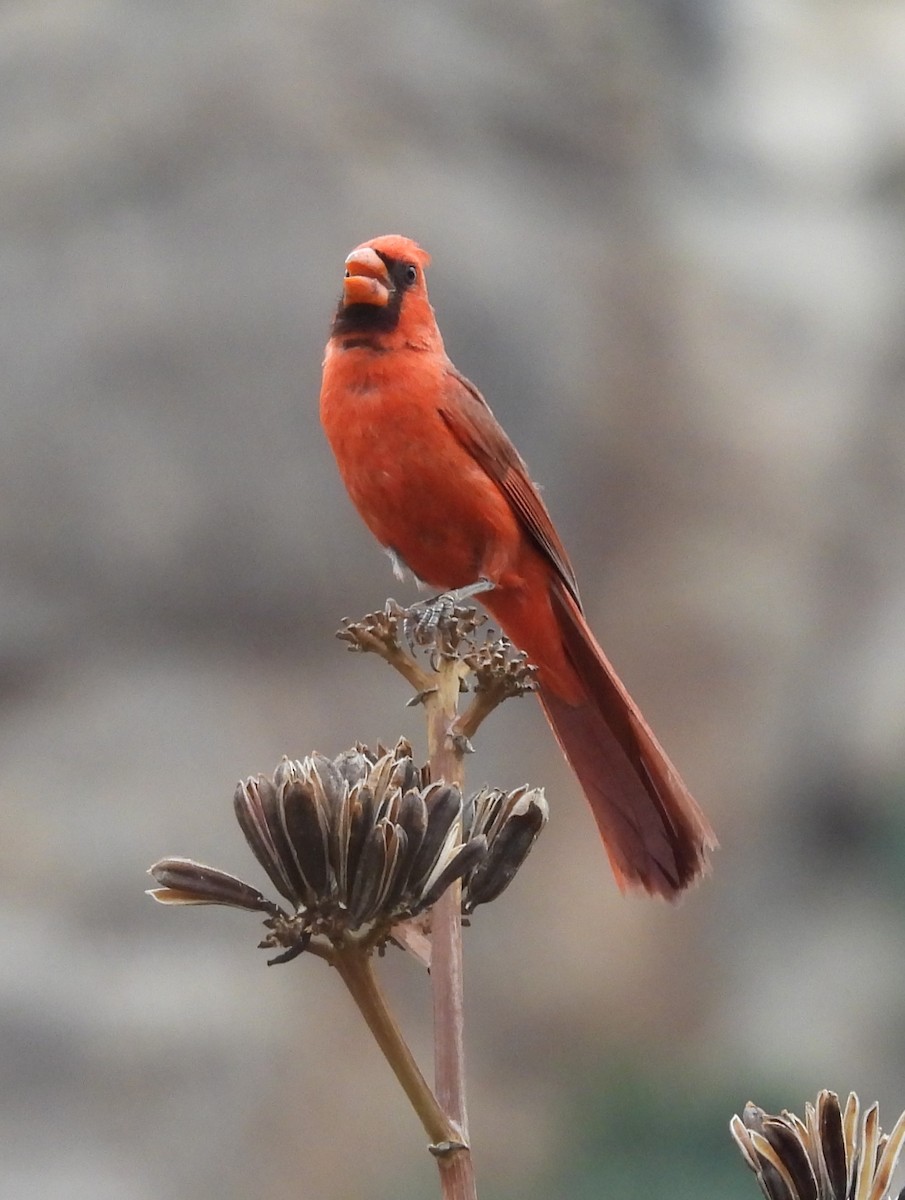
x: 427, y: 619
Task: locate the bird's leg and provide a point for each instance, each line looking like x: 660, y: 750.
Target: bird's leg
x: 423, y: 618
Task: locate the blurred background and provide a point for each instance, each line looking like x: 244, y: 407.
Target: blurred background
x: 668, y: 243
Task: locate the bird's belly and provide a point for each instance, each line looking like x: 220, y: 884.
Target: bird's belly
x: 428, y: 519
x: 429, y: 501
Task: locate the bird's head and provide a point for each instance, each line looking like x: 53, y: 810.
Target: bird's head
x: 385, y: 294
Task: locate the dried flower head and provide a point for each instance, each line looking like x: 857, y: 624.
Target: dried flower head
x: 831, y: 1155
x: 358, y: 843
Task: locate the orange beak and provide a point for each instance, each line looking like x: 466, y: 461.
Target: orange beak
x: 367, y: 279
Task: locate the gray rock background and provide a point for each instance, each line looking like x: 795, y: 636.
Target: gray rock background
x: 668, y: 245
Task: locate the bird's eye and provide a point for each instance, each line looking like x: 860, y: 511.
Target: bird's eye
x: 410, y: 274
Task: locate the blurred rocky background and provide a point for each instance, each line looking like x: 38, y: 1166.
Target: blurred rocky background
x: 669, y: 245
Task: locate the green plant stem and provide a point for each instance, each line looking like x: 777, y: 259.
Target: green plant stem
x: 356, y: 968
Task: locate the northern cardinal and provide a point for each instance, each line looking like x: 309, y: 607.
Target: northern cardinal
x: 443, y: 489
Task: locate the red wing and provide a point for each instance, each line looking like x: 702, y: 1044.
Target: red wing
x: 468, y: 416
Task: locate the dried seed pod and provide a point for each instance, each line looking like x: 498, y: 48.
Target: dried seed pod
x: 443, y: 805
x: 361, y: 800
x: 353, y: 765
x: 255, y: 807
x: 412, y: 819
x: 394, y: 842
x: 826, y: 1131
x: 304, y: 824
x: 511, y: 824
x: 372, y: 875
x: 458, y: 863
x: 395, y: 895
x: 288, y: 769
x: 275, y: 817
x: 380, y: 781
x: 786, y: 1140
x: 329, y: 785
x: 184, y: 881
x: 405, y: 774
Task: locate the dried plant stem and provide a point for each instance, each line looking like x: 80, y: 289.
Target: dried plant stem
x: 456, y: 1166
x: 455, y: 655
x: 356, y: 967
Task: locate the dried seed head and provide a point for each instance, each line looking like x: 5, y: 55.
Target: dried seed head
x: 360, y: 842
x: 442, y: 629
x: 496, y: 664
x: 831, y: 1155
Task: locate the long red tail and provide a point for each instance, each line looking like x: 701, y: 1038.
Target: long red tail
x: 654, y: 833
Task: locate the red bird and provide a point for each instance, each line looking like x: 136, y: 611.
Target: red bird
x: 443, y: 489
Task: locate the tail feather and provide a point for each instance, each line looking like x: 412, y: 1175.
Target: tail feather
x: 654, y: 833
